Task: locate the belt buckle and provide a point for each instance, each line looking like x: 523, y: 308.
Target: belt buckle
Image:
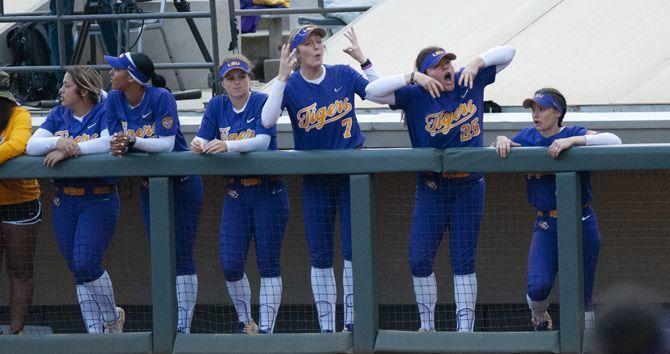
x: 250, y: 182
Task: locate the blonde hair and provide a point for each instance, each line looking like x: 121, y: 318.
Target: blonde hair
x: 86, y: 79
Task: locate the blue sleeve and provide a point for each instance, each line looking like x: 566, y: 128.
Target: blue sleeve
x: 403, y: 96
x: 360, y: 83
x: 165, y: 114
x: 486, y: 76
x: 208, y: 126
x: 111, y: 117
x: 578, y: 131
x: 50, y: 123
x: 520, y: 138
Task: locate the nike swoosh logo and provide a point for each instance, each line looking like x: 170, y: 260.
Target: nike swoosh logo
x: 146, y: 115
x: 338, y: 89
x: 586, y: 217
x: 250, y: 120
x: 91, y: 126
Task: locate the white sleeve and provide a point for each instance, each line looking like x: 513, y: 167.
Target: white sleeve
x: 500, y: 56
x: 41, y: 143
x: 258, y: 143
x: 371, y: 73
x: 383, y: 90
x: 203, y: 141
x: 272, y: 108
x: 96, y: 146
x: 162, y: 144
x: 602, y: 139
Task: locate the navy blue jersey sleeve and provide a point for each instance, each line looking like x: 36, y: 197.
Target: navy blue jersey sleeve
x: 208, y: 127
x: 165, y: 114
x: 403, y: 97
x: 521, y: 137
x: 486, y: 76
x: 576, y: 130
x: 50, y: 123
x: 359, y: 82
x: 111, y: 115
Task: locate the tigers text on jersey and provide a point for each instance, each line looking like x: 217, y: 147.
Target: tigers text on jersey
x: 542, y: 187
x: 455, y: 119
x: 62, y: 123
x: 155, y: 116
x: 323, y: 116
x: 222, y: 122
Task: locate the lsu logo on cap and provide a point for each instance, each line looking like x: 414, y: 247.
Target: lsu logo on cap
x: 438, y: 52
x: 234, y: 63
x: 167, y: 122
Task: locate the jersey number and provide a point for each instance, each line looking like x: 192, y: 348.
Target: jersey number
x: 347, y: 123
x: 470, y: 130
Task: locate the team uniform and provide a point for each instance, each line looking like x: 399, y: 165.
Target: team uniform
x: 453, y: 201
x: 156, y: 116
x: 543, y: 256
x: 84, y: 213
x: 254, y: 205
x: 323, y: 117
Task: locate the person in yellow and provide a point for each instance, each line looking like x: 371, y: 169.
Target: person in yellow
x: 20, y: 208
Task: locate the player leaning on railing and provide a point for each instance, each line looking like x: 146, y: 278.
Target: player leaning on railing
x: 85, y: 210
x: 254, y: 205
x: 320, y: 102
x: 20, y: 208
x: 548, y: 110
x: 442, y: 114
x: 142, y: 116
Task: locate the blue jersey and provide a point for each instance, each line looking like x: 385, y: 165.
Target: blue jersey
x: 542, y: 187
x: 222, y: 122
x: 455, y: 119
x: 61, y: 123
x: 155, y: 116
x: 323, y: 116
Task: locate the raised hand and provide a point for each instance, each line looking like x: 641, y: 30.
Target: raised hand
x: 431, y: 85
x: 287, y: 62
x: 354, y: 50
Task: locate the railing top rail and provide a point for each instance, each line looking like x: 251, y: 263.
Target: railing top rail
x: 299, y: 10
x: 521, y: 160
x: 133, y: 16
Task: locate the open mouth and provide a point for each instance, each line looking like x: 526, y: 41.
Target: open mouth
x: 447, y: 78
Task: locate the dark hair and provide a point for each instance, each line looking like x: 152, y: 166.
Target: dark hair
x: 6, y: 108
x: 146, y: 66
x: 422, y: 55
x: 558, y: 97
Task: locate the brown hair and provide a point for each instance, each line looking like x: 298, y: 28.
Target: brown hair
x: 6, y: 108
x: 237, y: 57
x: 86, y: 80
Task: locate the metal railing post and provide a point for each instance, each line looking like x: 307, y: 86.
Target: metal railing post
x: 363, y: 248
x: 61, y: 35
x: 163, y: 288
x: 215, y: 47
x: 570, y: 261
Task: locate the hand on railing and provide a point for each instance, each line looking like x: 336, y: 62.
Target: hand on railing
x: 68, y: 147
x: 53, y: 158
x: 120, y: 144
x: 504, y: 145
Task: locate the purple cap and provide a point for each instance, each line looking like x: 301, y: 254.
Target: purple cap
x: 434, y: 58
x: 303, y: 33
x: 125, y: 62
x: 231, y: 65
x: 543, y: 99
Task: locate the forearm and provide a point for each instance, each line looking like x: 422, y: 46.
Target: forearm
x: 500, y: 56
x: 602, y: 139
x: 257, y: 143
x: 382, y: 90
x: 41, y: 145
x: 162, y: 144
x: 272, y: 108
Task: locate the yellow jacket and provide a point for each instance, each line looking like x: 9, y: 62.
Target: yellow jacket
x: 13, y: 141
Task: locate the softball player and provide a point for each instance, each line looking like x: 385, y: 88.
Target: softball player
x: 441, y: 114
x: 84, y: 210
x: 20, y: 208
x: 549, y: 107
x: 320, y: 102
x: 142, y: 115
x: 254, y: 205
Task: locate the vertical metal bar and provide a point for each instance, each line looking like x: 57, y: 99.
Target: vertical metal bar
x: 320, y: 3
x: 570, y: 261
x: 2, y: 7
x: 363, y: 248
x: 163, y: 292
x: 61, y: 34
x: 215, y: 45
